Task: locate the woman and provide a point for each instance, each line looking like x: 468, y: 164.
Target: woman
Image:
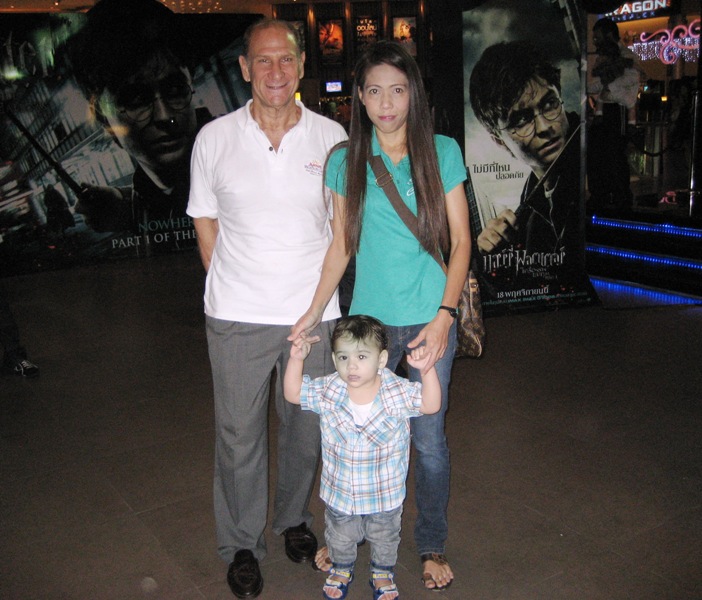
x: 397, y: 280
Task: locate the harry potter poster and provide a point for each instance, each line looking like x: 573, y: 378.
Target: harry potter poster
x: 523, y: 153
x: 98, y: 115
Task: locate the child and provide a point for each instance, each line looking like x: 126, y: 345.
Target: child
x: 364, y: 414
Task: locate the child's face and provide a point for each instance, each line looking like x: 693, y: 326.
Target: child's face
x: 358, y: 361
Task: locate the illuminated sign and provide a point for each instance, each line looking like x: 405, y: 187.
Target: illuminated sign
x: 669, y: 44
x: 645, y: 9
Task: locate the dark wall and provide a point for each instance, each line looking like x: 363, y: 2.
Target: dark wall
x: 446, y: 60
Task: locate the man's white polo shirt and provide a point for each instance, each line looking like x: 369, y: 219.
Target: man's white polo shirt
x: 273, y: 213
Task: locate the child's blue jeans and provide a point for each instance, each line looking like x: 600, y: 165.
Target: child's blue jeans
x: 343, y: 533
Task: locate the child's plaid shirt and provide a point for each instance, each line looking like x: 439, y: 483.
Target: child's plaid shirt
x: 363, y: 469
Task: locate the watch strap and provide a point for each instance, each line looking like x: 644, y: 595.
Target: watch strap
x: 451, y: 310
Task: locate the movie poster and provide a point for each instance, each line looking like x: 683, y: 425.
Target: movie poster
x: 97, y: 121
x: 331, y: 41
x: 404, y: 31
x: 523, y: 153
x: 365, y: 33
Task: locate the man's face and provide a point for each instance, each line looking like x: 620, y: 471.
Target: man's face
x: 527, y: 131
x: 152, y: 115
x: 273, y: 67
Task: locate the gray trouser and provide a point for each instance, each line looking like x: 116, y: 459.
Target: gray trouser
x: 243, y: 357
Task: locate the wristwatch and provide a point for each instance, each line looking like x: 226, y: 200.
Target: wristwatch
x: 452, y: 311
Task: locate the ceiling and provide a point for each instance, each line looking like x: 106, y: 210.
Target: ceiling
x: 180, y: 6
x: 231, y: 6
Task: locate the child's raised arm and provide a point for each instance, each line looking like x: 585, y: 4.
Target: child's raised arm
x: 431, y: 388
x: 292, y: 381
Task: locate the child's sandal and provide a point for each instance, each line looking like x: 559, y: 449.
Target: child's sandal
x: 342, y: 587
x: 391, y: 587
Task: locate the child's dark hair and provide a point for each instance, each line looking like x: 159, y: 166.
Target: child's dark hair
x: 361, y: 327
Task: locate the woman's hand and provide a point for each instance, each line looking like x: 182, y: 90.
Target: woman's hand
x: 435, y: 337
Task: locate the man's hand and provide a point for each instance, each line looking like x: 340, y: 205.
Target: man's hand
x: 498, y: 232
x: 305, y: 323
x: 104, y: 208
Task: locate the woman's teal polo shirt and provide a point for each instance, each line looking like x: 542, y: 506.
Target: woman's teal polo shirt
x: 397, y: 281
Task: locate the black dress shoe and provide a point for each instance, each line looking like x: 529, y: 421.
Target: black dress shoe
x: 244, y: 576
x: 300, y: 543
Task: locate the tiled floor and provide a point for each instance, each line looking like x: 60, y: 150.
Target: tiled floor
x: 576, y: 444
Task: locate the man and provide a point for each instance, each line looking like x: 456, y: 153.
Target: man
x: 515, y: 92
x: 263, y: 228
x: 132, y: 62
x: 614, y: 86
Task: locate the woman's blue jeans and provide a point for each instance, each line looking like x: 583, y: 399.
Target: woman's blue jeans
x: 432, y: 468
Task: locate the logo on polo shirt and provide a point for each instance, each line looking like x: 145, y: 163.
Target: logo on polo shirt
x: 314, y: 167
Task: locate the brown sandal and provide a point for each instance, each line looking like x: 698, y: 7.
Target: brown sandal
x: 439, y: 559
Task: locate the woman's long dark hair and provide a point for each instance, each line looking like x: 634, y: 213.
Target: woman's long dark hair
x: 428, y: 188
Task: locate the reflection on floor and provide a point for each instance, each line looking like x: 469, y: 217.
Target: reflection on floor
x: 576, y: 448
x: 619, y: 294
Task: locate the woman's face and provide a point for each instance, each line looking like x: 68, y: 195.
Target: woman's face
x: 386, y: 96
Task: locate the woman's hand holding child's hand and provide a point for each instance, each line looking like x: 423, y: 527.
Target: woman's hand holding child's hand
x: 419, y: 358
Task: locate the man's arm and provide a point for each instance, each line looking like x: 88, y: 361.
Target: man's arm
x: 207, y: 231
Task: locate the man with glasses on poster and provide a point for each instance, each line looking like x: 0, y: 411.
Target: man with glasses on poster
x: 515, y: 92
x: 132, y: 64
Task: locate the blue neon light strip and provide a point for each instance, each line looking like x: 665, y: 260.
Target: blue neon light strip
x: 651, y: 295
x: 654, y: 259
x: 656, y: 228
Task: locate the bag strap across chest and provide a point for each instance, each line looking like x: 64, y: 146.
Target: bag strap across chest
x: 385, y: 181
